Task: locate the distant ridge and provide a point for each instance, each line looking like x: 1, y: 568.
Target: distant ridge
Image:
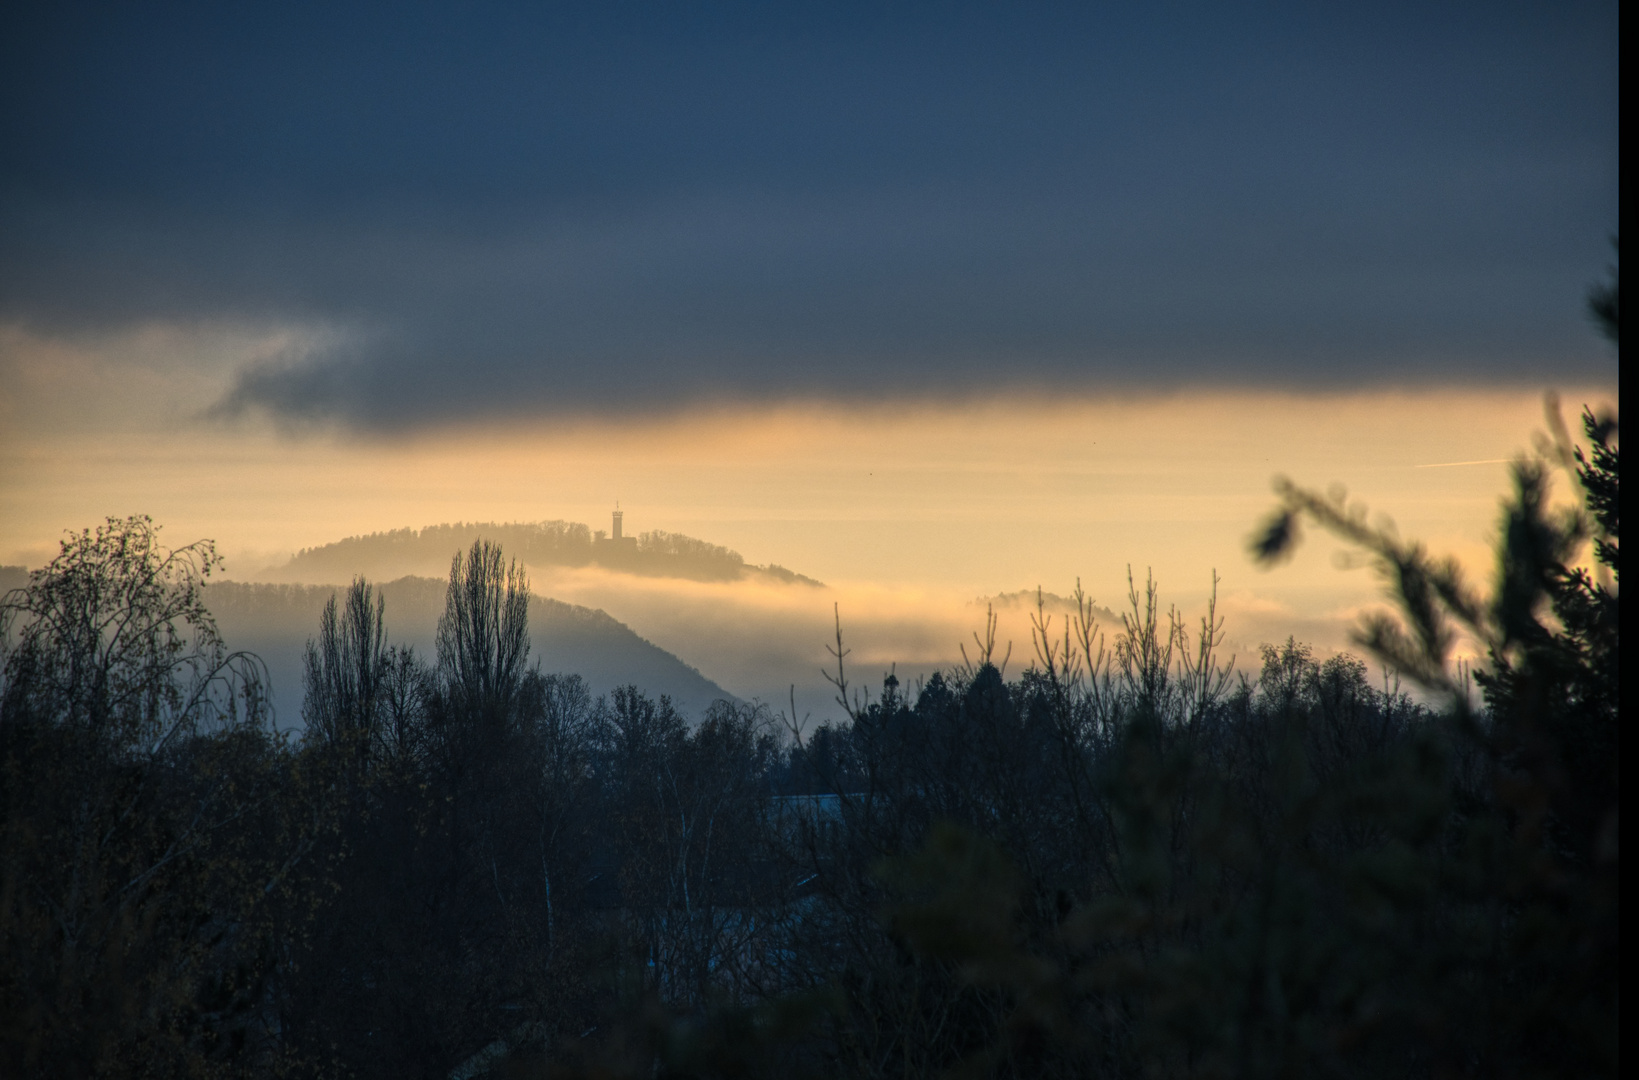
x: 427, y: 551
x: 1051, y: 602
x: 275, y: 621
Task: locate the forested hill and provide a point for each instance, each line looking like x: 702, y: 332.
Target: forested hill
x: 387, y: 555
x: 275, y: 621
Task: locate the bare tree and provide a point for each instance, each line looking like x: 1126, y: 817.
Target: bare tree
x: 483, y: 635
x: 347, y: 669
x: 141, y: 833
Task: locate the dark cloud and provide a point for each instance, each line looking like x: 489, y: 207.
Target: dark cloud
x: 626, y: 206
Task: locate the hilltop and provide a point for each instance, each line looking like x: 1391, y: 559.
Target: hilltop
x: 427, y: 551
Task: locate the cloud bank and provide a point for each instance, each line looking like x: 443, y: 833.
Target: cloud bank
x: 626, y: 208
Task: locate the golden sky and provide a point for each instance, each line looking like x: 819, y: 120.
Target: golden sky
x: 907, y: 511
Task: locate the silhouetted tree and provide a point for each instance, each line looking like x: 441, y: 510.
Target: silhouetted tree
x: 147, y: 819
x: 346, y: 694
x: 483, y: 635
x: 1539, y: 806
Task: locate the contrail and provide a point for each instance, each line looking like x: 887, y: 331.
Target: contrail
x: 1454, y: 464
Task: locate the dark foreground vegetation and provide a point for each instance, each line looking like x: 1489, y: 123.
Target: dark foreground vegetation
x: 1125, y: 861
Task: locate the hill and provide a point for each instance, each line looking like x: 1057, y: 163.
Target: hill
x: 400, y: 552
x: 275, y: 621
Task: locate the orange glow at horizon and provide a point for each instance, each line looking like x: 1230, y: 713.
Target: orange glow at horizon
x: 944, y: 501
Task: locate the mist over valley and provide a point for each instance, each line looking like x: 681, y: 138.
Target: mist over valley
x: 761, y: 632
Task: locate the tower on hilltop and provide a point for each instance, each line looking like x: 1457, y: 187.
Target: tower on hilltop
x: 617, y: 540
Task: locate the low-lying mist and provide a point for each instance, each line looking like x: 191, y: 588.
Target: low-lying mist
x: 759, y: 638
x: 766, y: 640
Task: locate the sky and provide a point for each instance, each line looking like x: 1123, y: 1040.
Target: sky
x: 957, y: 299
